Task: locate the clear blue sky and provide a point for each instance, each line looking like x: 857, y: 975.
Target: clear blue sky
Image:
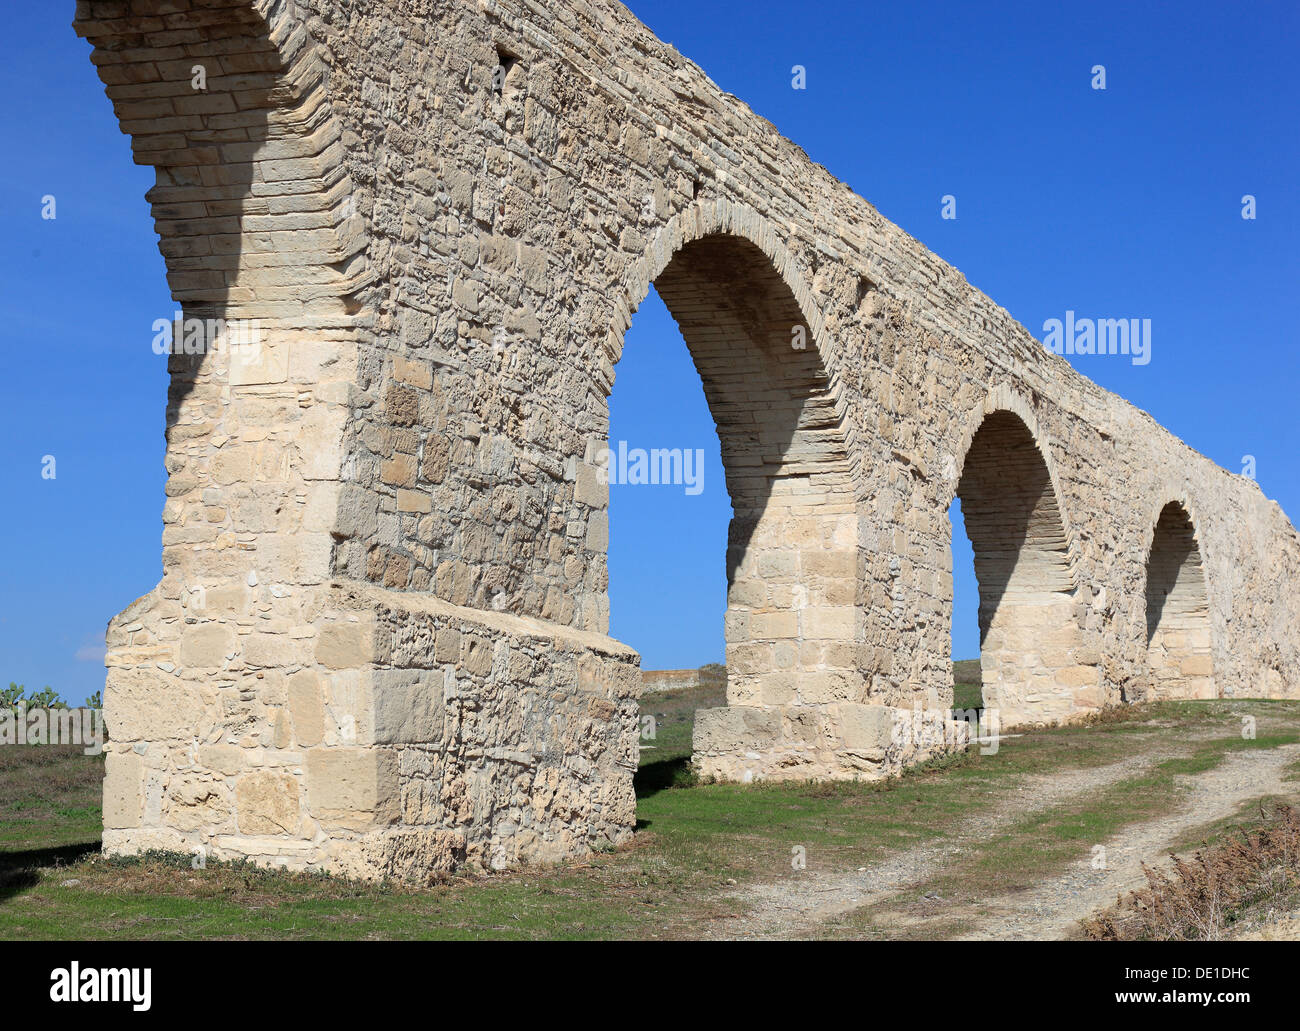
x: 1119, y: 203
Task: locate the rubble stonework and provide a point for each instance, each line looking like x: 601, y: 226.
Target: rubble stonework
x: 380, y: 643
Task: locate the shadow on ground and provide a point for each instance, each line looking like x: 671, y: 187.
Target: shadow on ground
x: 20, y: 871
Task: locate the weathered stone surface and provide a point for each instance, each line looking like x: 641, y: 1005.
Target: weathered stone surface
x: 344, y: 645
x: 122, y: 789
x: 380, y: 644
x: 349, y: 787
x: 408, y: 707
x: 306, y: 704
x: 736, y: 726
x: 268, y: 803
x: 866, y: 728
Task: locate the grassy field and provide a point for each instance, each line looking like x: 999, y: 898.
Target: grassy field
x: 694, y: 844
x: 966, y: 690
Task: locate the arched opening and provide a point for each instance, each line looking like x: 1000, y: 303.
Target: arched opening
x: 259, y: 227
x: 1178, y: 610
x: 791, y: 557
x: 667, y: 540
x: 1033, y: 666
x: 667, y: 577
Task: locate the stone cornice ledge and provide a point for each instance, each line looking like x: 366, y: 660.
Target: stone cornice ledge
x: 354, y: 594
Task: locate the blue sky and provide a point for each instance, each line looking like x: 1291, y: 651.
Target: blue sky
x: 1118, y: 203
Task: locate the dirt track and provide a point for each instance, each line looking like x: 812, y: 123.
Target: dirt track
x: 1050, y: 909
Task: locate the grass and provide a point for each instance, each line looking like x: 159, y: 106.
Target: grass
x: 693, y: 840
x: 665, y: 757
x: 1047, y: 842
x: 967, y: 689
x: 49, y: 796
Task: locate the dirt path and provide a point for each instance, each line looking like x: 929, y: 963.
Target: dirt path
x: 796, y: 908
x: 800, y: 907
x: 1053, y: 909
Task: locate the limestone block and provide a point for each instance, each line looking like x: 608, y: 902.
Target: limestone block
x: 265, y: 362
x: 267, y: 803
x: 408, y: 706
x: 196, y: 802
x: 207, y: 645
x: 777, y: 688
x: 447, y: 645
x: 272, y: 650
x: 151, y: 705
x: 223, y: 759
x: 1196, y: 666
x: 735, y: 727
x: 414, y: 501
x: 588, y: 488
x: 345, y: 644
x: 866, y: 728
x: 353, y: 788
x: 417, y: 374
x: 306, y: 707
x: 399, y: 471
x: 828, y: 623
x: 769, y: 625
x: 123, y: 783
x: 1078, y: 676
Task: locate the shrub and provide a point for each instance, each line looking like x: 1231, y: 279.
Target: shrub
x: 1197, y: 899
x: 46, y: 698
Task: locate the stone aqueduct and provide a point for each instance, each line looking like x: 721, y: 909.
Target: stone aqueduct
x: 380, y: 643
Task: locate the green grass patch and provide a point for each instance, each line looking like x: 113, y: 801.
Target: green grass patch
x: 967, y: 684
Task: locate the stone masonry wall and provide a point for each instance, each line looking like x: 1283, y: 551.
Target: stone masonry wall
x: 444, y: 214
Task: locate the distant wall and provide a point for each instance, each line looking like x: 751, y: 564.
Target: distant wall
x: 668, y: 679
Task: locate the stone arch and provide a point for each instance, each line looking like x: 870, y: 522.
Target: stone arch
x: 1034, y: 664
x: 719, y: 217
x: 1177, y: 605
x: 756, y: 339
x: 263, y: 236
x: 254, y: 207
x: 1004, y: 398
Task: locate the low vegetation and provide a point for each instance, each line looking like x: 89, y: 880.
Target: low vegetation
x: 1202, y: 897
x: 696, y: 844
x: 967, y: 689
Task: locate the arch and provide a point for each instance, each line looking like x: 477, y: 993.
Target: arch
x: 1003, y: 398
x: 264, y: 241
x: 1177, y: 605
x: 1034, y: 665
x: 254, y: 208
x: 712, y: 218
x: 792, y: 559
